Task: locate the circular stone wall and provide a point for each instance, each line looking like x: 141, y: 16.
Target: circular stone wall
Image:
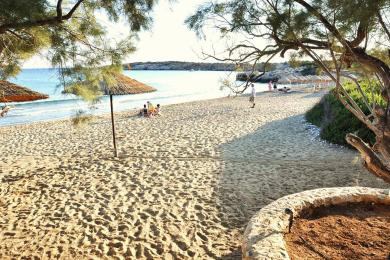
x: 264, y: 235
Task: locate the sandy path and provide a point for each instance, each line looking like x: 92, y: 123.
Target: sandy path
x: 184, y: 186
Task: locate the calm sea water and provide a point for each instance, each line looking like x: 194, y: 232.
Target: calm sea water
x: 172, y: 87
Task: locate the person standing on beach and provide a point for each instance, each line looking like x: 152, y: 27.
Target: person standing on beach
x: 270, y: 85
x: 253, y: 95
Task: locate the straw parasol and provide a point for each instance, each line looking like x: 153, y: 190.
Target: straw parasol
x: 123, y: 86
x: 309, y: 79
x: 10, y: 92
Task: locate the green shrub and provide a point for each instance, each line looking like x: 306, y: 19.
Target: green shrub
x: 316, y: 114
x: 336, y: 121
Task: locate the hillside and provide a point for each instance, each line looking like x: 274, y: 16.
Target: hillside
x: 180, y: 65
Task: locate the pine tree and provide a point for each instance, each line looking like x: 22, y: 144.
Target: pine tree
x: 71, y: 37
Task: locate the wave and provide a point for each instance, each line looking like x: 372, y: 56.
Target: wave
x: 173, y: 87
x: 27, y: 113
x: 80, y: 100
x: 45, y: 102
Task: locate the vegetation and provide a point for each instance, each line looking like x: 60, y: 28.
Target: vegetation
x: 70, y: 35
x: 336, y: 121
x: 81, y: 119
x: 336, y: 35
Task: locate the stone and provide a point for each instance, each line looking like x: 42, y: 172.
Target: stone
x: 264, y: 234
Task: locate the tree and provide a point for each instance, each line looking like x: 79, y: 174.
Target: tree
x: 71, y: 37
x: 336, y: 35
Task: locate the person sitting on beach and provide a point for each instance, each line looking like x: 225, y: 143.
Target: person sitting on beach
x: 284, y: 89
x: 275, y: 86
x: 158, y: 110
x: 144, y: 111
x: 4, y: 110
x: 151, y: 109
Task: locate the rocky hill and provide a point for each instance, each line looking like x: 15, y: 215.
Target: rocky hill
x: 180, y: 65
x: 274, y: 70
x: 278, y: 72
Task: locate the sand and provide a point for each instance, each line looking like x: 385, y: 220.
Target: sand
x: 184, y: 186
x: 349, y: 231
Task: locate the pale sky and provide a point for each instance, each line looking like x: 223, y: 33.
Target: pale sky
x: 169, y: 39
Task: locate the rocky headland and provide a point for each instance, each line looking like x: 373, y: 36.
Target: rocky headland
x: 180, y: 65
x: 274, y: 70
x: 279, y: 71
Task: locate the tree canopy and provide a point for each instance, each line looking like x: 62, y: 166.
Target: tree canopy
x: 289, y: 24
x: 337, y: 35
x: 71, y: 36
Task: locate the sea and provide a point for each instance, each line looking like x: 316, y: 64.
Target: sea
x: 172, y: 87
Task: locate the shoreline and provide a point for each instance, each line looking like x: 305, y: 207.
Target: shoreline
x: 105, y: 114
x: 172, y: 87
x: 184, y: 186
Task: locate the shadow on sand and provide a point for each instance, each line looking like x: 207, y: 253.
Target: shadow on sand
x: 278, y: 159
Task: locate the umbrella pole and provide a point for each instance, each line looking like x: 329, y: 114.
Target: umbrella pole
x: 113, y: 127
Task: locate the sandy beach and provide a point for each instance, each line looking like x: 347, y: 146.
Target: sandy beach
x: 184, y: 186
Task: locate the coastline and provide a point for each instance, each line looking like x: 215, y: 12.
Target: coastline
x: 126, y: 111
x: 184, y: 186
x: 173, y: 87
x: 100, y: 116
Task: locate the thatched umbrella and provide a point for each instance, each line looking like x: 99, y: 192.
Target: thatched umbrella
x: 123, y: 86
x: 10, y: 92
x: 285, y: 80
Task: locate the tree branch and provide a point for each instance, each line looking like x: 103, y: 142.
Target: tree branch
x: 324, y: 21
x: 380, y: 19
x: 49, y: 21
x: 360, y: 36
x: 371, y: 161
x: 373, y: 64
x: 59, y: 9
x: 360, y: 90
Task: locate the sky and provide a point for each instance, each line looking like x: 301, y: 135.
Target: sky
x: 169, y: 38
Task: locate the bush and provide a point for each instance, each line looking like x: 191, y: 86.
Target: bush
x: 336, y: 121
x: 316, y: 114
x: 81, y: 119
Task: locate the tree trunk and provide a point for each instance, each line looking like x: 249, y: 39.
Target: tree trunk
x: 371, y: 160
x: 383, y: 148
x: 376, y: 164
x: 374, y: 65
x: 379, y: 166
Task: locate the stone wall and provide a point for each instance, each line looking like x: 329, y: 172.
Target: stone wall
x: 264, y: 235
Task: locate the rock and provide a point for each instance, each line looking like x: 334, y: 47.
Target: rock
x: 276, y: 74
